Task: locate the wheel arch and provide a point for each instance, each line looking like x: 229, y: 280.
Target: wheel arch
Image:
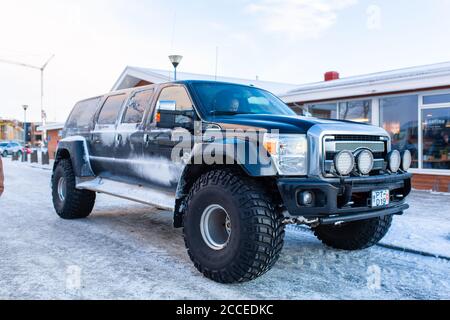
x: 75, y: 149
x: 230, y: 160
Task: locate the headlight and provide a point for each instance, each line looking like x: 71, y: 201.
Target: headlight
x: 344, y: 163
x: 406, y: 160
x: 289, y: 152
x: 365, y: 162
x: 395, y: 160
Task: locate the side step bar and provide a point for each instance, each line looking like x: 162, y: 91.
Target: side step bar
x: 141, y: 194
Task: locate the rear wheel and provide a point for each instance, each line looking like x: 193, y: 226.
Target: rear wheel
x: 354, y: 235
x: 70, y: 202
x: 231, y: 230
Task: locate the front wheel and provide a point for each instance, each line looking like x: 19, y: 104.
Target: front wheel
x: 231, y: 230
x: 354, y: 235
x: 5, y: 154
x: 70, y: 202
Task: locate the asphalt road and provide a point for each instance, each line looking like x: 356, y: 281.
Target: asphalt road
x: 129, y: 251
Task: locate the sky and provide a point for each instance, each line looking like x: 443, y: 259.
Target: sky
x: 291, y: 41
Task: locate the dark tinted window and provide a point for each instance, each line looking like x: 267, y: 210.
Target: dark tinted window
x: 136, y: 107
x: 111, y: 109
x: 436, y: 138
x: 231, y: 99
x: 82, y: 114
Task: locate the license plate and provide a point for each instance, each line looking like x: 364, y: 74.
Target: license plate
x: 380, y: 198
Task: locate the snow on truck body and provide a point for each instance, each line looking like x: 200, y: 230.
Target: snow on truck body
x: 236, y: 165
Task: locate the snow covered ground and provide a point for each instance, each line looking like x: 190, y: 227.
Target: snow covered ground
x: 130, y: 251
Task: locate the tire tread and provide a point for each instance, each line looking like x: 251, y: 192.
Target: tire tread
x: 263, y: 227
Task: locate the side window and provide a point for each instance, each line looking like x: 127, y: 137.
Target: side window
x: 177, y: 95
x: 111, y: 109
x: 83, y: 114
x: 136, y: 107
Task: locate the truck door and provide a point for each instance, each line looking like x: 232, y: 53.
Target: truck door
x: 130, y: 137
x: 161, y: 169
x: 103, y: 138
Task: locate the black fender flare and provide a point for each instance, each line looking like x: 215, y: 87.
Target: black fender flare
x: 76, y: 149
x: 245, y: 154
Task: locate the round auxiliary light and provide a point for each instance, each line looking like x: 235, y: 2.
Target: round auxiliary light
x: 406, y: 160
x: 365, y: 162
x: 395, y: 160
x: 344, y: 163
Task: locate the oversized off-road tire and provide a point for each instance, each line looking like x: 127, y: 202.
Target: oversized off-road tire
x: 231, y: 230
x: 69, y: 202
x: 354, y: 235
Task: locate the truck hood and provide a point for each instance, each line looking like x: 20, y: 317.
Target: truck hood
x: 287, y: 124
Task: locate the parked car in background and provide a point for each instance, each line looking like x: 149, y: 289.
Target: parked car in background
x: 8, y: 148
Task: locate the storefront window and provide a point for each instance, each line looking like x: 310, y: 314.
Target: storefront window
x: 359, y: 111
x: 436, y: 144
x: 398, y: 116
x: 438, y: 98
x: 324, y: 111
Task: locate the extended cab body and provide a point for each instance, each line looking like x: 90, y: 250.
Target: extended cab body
x: 236, y: 165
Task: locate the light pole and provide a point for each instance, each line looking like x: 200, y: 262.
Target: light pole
x: 25, y: 107
x: 41, y: 69
x: 175, y: 59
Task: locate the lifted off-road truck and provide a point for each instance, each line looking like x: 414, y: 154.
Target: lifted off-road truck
x: 235, y: 165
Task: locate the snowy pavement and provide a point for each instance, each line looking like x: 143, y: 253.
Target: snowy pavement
x: 129, y: 251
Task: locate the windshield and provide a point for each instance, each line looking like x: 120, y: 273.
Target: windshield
x: 230, y: 99
x: 3, y: 144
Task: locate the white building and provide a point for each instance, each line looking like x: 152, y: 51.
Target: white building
x: 397, y: 100
x: 135, y: 77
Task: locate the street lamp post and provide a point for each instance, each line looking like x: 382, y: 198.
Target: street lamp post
x: 175, y: 59
x: 41, y: 69
x: 25, y: 107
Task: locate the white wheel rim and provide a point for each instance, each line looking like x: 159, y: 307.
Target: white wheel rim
x: 62, y: 188
x: 215, y: 227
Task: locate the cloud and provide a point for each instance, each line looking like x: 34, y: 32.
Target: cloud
x: 298, y: 18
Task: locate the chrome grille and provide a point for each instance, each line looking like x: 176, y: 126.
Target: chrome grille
x: 335, y: 144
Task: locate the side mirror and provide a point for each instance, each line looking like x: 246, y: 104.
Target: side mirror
x: 168, y: 117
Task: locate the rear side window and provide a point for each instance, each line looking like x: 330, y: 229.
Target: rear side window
x: 136, y: 107
x: 111, y: 109
x: 82, y: 114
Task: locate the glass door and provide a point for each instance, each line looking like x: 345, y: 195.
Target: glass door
x: 435, y: 138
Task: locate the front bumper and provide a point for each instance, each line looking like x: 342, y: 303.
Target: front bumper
x: 345, y: 200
